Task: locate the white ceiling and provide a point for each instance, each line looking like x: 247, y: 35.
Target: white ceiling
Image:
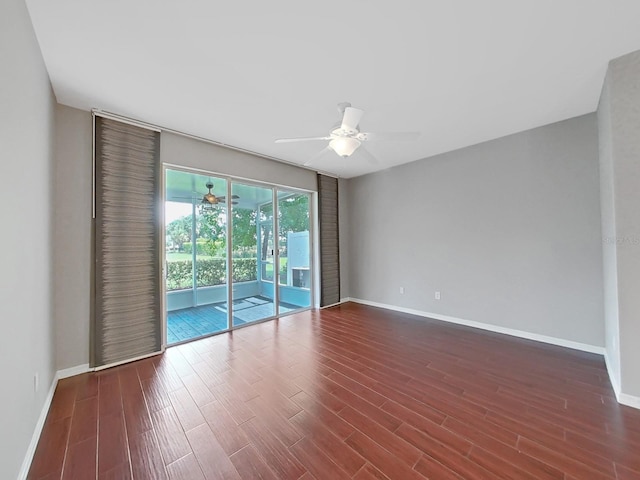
x: 245, y: 73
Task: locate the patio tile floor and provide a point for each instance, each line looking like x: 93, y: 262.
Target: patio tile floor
x: 195, y: 322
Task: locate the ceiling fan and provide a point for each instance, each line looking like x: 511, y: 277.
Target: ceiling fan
x: 345, y: 136
x: 209, y: 199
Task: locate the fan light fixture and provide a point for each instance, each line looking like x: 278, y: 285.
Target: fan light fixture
x: 345, y: 136
x: 344, y: 146
x: 209, y: 198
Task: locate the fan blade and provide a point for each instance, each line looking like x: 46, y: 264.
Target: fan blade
x: 351, y: 119
x: 388, y: 136
x: 367, y: 155
x: 300, y: 139
x: 317, y: 156
x: 223, y: 198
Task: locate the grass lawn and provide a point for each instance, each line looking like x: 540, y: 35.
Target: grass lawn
x: 283, y: 265
x: 178, y: 256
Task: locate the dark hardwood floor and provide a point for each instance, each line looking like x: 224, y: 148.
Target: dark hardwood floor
x: 348, y: 392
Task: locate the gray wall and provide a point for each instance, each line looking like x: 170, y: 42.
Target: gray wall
x: 72, y: 236
x: 187, y: 152
x: 508, y: 231
x: 619, y: 120
x: 609, y: 254
x: 26, y: 152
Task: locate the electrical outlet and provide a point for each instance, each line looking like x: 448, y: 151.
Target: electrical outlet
x: 36, y: 382
x: 437, y: 295
x: 402, y: 290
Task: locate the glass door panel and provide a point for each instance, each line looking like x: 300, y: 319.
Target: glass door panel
x: 252, y: 253
x: 211, y: 261
x: 196, y: 263
x: 294, y: 281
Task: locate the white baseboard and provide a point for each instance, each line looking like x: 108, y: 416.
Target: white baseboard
x: 31, y: 450
x: 492, y: 328
x: 629, y: 400
x: 623, y: 398
x: 340, y: 302
x: 613, y: 378
x: 332, y: 305
x: 37, y: 431
x: 122, y: 362
x: 73, y: 371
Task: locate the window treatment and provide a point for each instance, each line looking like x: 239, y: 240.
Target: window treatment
x: 126, y: 307
x: 329, y: 240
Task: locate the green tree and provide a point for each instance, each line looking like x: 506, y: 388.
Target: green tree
x: 293, y: 214
x: 211, y: 224
x: 179, y: 231
x: 244, y: 233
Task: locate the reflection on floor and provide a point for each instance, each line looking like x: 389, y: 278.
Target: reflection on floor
x: 194, y: 322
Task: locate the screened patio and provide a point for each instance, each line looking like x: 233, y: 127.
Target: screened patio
x: 234, y: 241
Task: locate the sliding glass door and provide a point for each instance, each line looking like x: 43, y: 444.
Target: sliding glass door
x: 294, y: 279
x: 252, y: 253
x: 236, y: 253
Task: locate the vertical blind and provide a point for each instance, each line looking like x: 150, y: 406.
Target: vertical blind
x: 127, y: 276
x: 329, y: 240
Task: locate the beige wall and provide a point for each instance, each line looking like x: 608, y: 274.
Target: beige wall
x: 26, y: 157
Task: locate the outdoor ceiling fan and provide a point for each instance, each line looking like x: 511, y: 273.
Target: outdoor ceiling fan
x: 209, y: 199
x: 345, y: 136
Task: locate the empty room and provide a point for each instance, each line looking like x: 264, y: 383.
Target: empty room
x: 349, y: 240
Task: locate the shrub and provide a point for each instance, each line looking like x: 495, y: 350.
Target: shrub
x: 245, y: 269
x: 210, y: 272
x: 179, y: 275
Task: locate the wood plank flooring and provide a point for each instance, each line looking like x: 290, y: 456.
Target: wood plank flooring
x: 350, y: 392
